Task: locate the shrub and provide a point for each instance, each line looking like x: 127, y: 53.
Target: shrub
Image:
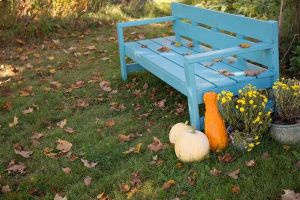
x: 246, y: 115
x: 287, y: 100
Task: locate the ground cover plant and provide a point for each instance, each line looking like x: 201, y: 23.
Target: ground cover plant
x: 70, y: 127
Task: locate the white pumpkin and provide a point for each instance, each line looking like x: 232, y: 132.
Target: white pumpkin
x: 177, y: 129
x: 192, y: 146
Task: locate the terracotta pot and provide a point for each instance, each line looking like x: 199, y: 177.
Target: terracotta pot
x: 286, y: 134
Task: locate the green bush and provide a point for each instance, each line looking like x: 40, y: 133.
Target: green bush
x: 295, y: 60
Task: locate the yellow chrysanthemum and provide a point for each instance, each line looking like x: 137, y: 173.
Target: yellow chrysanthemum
x: 251, y: 101
x: 242, y: 109
x: 251, y: 145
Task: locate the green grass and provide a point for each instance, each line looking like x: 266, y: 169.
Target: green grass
x: 96, y: 142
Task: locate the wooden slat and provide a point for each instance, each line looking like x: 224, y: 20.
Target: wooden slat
x: 215, y: 39
x: 262, y: 57
x: 201, y: 71
x: 258, y: 29
x: 163, y: 68
x: 183, y: 50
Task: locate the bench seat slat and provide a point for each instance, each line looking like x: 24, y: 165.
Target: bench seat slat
x: 216, y: 66
x: 162, y: 66
x: 201, y: 71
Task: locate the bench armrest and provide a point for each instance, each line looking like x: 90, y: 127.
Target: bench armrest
x: 145, y: 21
x: 200, y: 57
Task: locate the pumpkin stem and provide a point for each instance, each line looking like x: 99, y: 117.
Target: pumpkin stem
x: 194, y: 129
x: 186, y: 122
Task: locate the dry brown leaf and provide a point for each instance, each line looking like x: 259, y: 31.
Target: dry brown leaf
x: 244, y: 45
x: 225, y: 72
x: 215, y: 172
x: 88, y: 164
x: 253, y: 72
x: 250, y: 163
x: 26, y: 91
x: 156, y: 145
x: 5, y: 189
x: 14, y: 123
x: 27, y: 111
x: 7, y: 105
x: 49, y: 152
x: 135, y: 179
x: 161, y: 103
x: 69, y: 130
x: 135, y: 149
x: 131, y: 192
x: 235, y: 189
x: 62, y: 123
x: 50, y: 58
x: 298, y: 164
x: 19, y: 150
x: 103, y: 196
x: 126, y: 138
x: 87, y: 180
x: 15, y: 168
x: 81, y: 103
x: 169, y: 184
x: 124, y: 188
x: 290, y: 195
x: 66, y: 170
x: 91, y: 47
x: 105, y: 86
x: 58, y: 197
x: 156, y: 161
x: 226, y: 158
x: 55, y: 84
x: 110, y: 123
x: 63, y: 145
x: 234, y: 174
x: 163, y: 49
x: 37, y: 135
x: 265, y: 156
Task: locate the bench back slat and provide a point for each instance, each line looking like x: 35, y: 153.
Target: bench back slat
x: 258, y: 29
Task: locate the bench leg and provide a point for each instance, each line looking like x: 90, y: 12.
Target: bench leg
x: 194, y: 112
x: 122, y: 53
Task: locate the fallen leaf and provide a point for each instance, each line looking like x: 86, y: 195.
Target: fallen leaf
x: 103, y: 196
x: 156, y: 145
x: 130, y: 193
x: 50, y: 58
x: 7, y: 105
x: 92, y: 47
x: 105, y: 86
x: 88, y: 164
x: 27, y: 111
x: 234, y: 174
x: 169, y: 184
x: 124, y: 188
x: 87, y: 180
x: 156, y: 161
x: 215, y: 172
x: 290, y: 195
x: 55, y: 84
x: 66, y: 170
x: 225, y: 72
x: 226, y: 158
x: 135, y: 149
x: 298, y: 164
x: 161, y: 103
x: 19, y: 150
x: 126, y: 138
x: 244, y: 45
x: 37, y: 135
x: 250, y: 163
x: 253, y: 72
x: 16, y: 168
x: 5, y: 189
x: 110, y: 123
x: 49, y: 152
x: 235, y: 189
x: 69, y: 130
x: 81, y: 103
x: 14, y: 123
x: 265, y: 156
x: 58, y: 197
x: 135, y: 179
x: 63, y: 145
x: 62, y: 123
x: 286, y: 147
x: 163, y: 49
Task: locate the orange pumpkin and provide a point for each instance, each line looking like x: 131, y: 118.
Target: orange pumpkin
x: 214, y: 124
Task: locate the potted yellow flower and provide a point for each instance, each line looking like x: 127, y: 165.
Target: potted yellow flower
x: 286, y: 125
x: 245, y: 115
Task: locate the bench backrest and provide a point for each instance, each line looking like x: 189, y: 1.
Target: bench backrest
x: 222, y: 30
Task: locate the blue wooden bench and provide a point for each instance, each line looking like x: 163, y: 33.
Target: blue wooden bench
x: 204, y: 43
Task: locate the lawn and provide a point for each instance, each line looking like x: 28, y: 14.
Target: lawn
x: 68, y: 89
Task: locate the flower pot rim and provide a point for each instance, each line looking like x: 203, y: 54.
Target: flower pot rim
x: 285, y: 125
